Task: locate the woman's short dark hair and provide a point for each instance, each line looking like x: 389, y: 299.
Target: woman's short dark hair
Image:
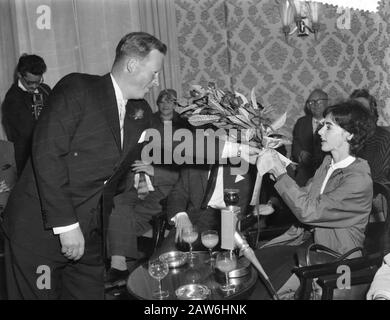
x: 139, y: 45
x: 364, y: 93
x: 31, y: 63
x: 353, y: 117
x: 169, y: 93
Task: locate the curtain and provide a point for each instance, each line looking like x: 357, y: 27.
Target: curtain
x: 81, y: 35
x: 7, y: 53
x: 158, y: 17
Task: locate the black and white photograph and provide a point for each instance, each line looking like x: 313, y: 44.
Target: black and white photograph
x: 163, y: 152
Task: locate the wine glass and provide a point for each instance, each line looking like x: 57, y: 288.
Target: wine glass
x: 210, y: 240
x: 231, y: 197
x: 190, y: 235
x: 226, y: 262
x: 158, y: 269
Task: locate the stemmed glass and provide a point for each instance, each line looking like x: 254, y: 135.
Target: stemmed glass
x: 231, y: 197
x: 159, y: 269
x: 210, y: 240
x: 226, y: 262
x: 190, y: 235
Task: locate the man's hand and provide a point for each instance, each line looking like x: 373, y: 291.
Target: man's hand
x: 141, y: 166
x: 72, y: 244
x: 182, y: 223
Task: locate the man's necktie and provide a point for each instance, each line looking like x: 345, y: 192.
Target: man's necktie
x: 210, y: 186
x: 142, y: 189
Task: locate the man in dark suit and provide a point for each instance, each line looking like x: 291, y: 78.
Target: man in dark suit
x: 52, y: 223
x: 7, y: 172
x: 23, y: 104
x: 306, y: 146
x: 133, y: 210
x: 197, y: 198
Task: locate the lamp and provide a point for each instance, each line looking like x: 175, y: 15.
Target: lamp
x: 303, y: 13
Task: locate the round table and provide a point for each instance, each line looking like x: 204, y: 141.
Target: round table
x: 141, y: 285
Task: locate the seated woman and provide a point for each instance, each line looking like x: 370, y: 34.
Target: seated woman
x: 166, y: 103
x: 337, y: 201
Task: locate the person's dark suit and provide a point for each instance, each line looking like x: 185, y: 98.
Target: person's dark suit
x: 19, y: 122
x: 76, y: 148
x: 190, y: 191
x: 305, y: 140
x: 7, y: 171
x: 131, y: 215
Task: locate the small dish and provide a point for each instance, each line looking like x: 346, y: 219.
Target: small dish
x: 192, y: 292
x: 175, y: 259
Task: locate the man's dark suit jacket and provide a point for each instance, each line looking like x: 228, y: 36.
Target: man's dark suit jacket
x: 188, y: 194
x: 304, y: 139
x: 19, y: 122
x: 76, y: 148
x: 7, y: 170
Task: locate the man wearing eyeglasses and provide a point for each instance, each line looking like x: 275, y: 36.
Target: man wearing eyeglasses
x: 23, y: 104
x: 306, y: 147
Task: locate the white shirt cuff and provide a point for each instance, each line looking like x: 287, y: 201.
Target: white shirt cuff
x: 142, y: 138
x: 173, y: 219
x: 59, y: 230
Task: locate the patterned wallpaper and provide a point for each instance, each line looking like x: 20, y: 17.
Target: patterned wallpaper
x: 249, y: 32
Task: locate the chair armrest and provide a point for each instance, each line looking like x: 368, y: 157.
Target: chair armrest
x: 319, y: 270
x: 308, y: 273
x: 357, y: 277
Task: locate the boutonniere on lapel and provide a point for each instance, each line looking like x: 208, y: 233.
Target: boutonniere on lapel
x: 138, y: 114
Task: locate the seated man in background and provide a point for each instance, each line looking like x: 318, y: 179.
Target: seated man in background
x: 146, y: 188
x: 377, y: 148
x: 23, y: 104
x: 132, y: 213
x: 306, y: 146
x: 197, y: 198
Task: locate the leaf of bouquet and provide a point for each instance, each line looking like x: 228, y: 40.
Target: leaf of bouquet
x: 253, y: 98
x: 219, y: 94
x: 278, y: 123
x: 240, y: 120
x: 197, y: 111
x: 284, y: 139
x: 198, y: 88
x: 181, y: 110
x: 214, y: 104
x: 274, y: 143
x: 200, y: 119
x: 249, y: 134
x: 245, y: 114
x: 244, y: 99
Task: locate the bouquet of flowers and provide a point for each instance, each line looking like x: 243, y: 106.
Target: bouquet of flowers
x: 232, y: 110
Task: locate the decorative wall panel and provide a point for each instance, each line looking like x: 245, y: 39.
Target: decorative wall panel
x: 240, y: 45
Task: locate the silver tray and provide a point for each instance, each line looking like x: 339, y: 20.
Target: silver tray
x: 192, y: 292
x: 175, y: 259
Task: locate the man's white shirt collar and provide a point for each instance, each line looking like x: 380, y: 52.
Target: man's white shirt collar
x: 118, y: 91
x: 21, y: 86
